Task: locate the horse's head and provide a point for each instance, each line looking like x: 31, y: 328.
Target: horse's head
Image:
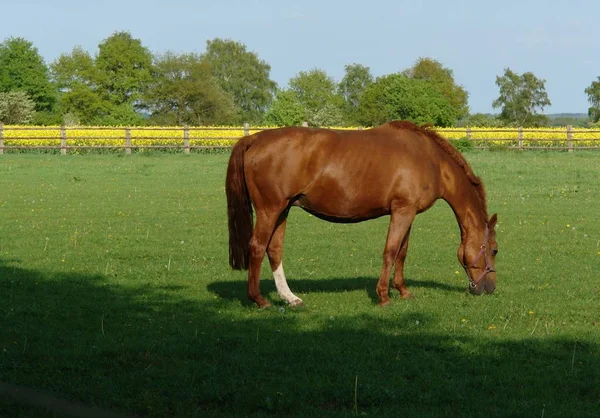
x: 479, y: 260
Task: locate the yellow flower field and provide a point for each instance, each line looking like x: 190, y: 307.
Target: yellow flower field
x: 225, y: 136
x: 542, y: 137
x: 27, y: 136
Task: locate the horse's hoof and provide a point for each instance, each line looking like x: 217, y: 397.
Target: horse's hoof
x: 263, y: 304
x: 407, y: 296
x: 296, y: 303
x: 384, y: 303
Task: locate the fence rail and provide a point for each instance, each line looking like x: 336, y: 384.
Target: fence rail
x: 193, y: 138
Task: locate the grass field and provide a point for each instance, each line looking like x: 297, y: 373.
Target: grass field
x: 115, y: 292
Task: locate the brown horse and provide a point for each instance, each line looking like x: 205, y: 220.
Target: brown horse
x: 396, y: 169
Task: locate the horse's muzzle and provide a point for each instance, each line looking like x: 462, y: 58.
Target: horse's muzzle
x: 490, y: 286
x: 484, y: 286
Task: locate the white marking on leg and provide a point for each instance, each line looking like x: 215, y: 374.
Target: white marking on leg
x: 283, y: 289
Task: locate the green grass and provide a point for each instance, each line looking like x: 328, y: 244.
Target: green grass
x: 115, y: 292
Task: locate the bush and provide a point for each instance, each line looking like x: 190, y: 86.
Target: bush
x: 16, y: 108
x: 462, y: 144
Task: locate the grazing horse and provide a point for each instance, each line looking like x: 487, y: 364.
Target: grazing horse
x: 397, y: 169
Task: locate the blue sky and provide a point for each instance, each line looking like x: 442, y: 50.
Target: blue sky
x: 556, y: 40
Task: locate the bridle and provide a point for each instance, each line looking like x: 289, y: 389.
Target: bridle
x: 488, y: 267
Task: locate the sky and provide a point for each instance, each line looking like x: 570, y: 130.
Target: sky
x: 557, y: 40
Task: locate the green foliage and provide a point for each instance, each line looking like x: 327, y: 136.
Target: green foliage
x: 123, y: 114
x: 123, y: 68
x: 85, y: 103
x: 46, y: 118
x: 396, y: 96
x: 243, y: 75
x: 75, y: 69
x: 286, y: 110
x: 78, y: 80
x: 351, y: 88
x: 16, y: 108
x: 520, y: 98
x: 484, y: 120
x: 568, y: 119
x: 327, y: 116
x: 23, y: 69
x: 463, y: 144
x: 442, y: 78
x: 316, y: 92
x: 104, y: 90
x: 184, y: 91
x: 593, y: 93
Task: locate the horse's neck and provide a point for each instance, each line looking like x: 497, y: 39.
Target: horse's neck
x: 462, y: 197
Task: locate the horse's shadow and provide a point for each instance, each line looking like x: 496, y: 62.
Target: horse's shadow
x: 236, y: 290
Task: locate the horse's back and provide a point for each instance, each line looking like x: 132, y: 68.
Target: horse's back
x: 338, y: 172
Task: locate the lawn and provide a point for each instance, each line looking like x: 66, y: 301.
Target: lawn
x: 116, y: 293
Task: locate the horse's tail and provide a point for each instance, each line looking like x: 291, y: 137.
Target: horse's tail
x: 239, y: 207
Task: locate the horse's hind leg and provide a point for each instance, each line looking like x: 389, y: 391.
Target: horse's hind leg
x: 399, y: 269
x: 400, y: 223
x: 275, y: 253
x: 265, y: 223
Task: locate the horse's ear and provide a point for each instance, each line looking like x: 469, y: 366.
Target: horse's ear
x: 492, y: 221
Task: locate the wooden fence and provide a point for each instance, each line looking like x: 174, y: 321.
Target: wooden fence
x: 190, y: 138
x: 568, y: 139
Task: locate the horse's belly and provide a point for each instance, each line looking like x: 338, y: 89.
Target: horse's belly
x: 340, y: 210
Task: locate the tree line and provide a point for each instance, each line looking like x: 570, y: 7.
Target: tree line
x: 125, y: 84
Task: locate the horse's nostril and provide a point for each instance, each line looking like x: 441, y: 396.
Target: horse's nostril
x: 494, y: 252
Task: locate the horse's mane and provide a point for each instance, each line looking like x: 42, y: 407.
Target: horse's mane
x: 451, y: 151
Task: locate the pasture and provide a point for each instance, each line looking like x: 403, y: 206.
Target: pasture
x: 115, y: 292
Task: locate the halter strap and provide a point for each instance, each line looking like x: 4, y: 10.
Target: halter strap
x: 488, y: 266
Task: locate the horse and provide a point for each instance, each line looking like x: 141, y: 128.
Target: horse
x: 398, y: 169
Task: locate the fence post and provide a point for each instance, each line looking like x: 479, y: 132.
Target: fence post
x: 127, y: 141
x: 570, y: 138
x: 468, y: 133
x: 186, y: 139
x: 246, y: 129
x: 360, y: 128
x: 1, y: 138
x: 305, y: 124
x: 63, y: 140
x: 520, y: 138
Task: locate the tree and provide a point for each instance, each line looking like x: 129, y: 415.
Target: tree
x: 23, y: 69
x: 106, y: 89
x: 77, y: 79
x: 351, y: 88
x: 285, y: 110
x: 593, y: 93
x: 184, y: 91
x: 84, y: 106
x: 316, y: 92
x: 16, y: 108
x: 520, y: 98
x: 243, y: 75
x: 123, y: 67
x: 77, y: 68
x: 396, y: 96
x: 442, y: 79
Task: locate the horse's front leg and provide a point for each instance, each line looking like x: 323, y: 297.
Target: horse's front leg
x: 400, y: 222
x: 399, y: 269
